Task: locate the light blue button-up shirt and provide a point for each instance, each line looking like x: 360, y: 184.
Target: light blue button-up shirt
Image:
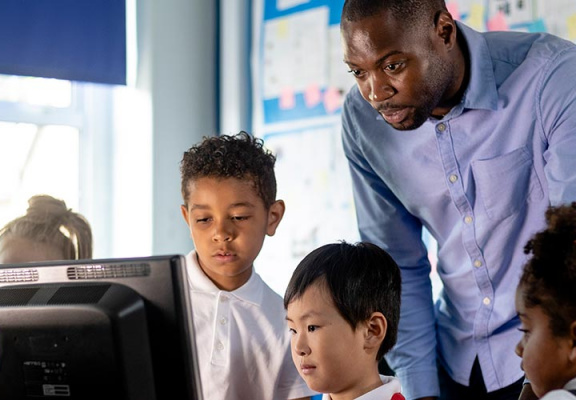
x: 480, y: 180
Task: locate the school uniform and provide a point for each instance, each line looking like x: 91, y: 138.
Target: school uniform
x: 567, y: 393
x: 390, y: 390
x: 242, y: 339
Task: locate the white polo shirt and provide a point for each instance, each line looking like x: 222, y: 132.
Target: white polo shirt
x: 243, y: 340
x: 562, y: 394
x: 390, y: 390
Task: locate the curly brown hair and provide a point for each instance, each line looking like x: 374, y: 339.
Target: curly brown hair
x: 549, y: 277
x: 241, y: 156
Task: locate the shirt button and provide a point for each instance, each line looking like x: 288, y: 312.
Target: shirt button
x: 468, y: 219
x: 477, y: 263
x: 223, y: 299
x: 453, y: 178
x: 486, y: 301
x: 219, y: 346
x: 223, y: 321
x: 441, y: 127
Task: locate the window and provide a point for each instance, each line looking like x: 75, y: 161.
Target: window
x: 39, y: 143
x: 56, y: 139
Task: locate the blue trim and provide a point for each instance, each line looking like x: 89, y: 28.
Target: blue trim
x: 273, y: 113
x: 271, y: 10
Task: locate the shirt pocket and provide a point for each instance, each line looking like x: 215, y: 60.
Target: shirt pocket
x: 506, y: 183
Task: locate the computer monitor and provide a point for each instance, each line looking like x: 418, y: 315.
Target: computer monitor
x: 98, y: 329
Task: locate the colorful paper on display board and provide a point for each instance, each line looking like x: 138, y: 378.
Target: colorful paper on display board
x: 300, y: 82
x: 300, y: 41
x: 302, y: 73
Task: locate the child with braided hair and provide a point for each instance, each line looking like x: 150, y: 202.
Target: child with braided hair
x: 546, y: 305
x: 48, y: 231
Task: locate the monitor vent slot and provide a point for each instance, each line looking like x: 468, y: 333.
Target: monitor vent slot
x: 16, y: 296
x: 108, y: 271
x: 78, y: 294
x: 18, y: 275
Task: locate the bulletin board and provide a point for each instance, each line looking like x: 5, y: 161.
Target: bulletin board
x: 299, y: 84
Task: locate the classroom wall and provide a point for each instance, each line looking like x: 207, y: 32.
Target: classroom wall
x: 299, y: 84
x: 177, y: 66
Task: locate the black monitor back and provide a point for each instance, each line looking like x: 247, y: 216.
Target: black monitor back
x: 115, y: 329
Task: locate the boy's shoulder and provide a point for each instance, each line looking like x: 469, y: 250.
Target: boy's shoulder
x: 272, y: 304
x: 561, y: 394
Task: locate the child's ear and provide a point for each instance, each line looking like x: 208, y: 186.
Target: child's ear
x: 376, y: 327
x: 275, y: 214
x: 184, y: 211
x: 573, y: 338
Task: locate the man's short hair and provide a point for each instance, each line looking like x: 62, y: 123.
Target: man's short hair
x: 409, y: 11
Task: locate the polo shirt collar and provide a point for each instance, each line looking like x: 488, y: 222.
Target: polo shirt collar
x: 250, y: 292
x: 390, y: 390
x: 571, y: 385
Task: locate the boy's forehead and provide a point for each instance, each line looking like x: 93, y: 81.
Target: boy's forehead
x: 315, y: 294
x: 315, y: 302
x: 231, y: 190
x: 211, y: 182
x: 223, y: 180
x: 519, y: 299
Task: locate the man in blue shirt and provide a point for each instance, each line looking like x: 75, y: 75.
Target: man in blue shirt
x: 472, y: 136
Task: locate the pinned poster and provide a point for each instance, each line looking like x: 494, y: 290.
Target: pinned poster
x: 571, y: 23
x: 453, y: 10
x: 282, y: 28
x: 497, y: 22
x: 287, y: 98
x: 476, y: 19
x: 332, y: 99
x: 286, y: 4
x: 537, y: 26
x: 312, y: 95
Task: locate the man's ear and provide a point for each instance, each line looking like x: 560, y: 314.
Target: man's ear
x: 376, y: 327
x: 446, y: 29
x: 275, y: 214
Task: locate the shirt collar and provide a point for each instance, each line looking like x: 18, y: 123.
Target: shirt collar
x: 481, y: 92
x: 390, y: 386
x: 571, y: 385
x: 250, y: 292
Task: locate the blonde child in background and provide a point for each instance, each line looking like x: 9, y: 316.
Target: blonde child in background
x: 546, y: 305
x: 343, y: 308
x: 48, y: 231
x: 230, y: 205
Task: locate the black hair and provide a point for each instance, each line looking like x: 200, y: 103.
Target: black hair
x: 549, y: 277
x: 240, y: 156
x: 409, y: 11
x: 362, y: 278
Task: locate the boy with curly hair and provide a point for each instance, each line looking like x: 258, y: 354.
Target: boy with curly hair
x: 546, y: 305
x: 230, y: 205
